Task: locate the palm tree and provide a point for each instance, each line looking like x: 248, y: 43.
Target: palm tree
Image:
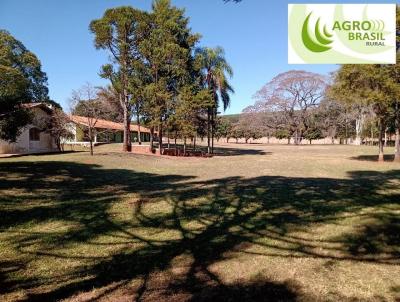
x: 215, y: 71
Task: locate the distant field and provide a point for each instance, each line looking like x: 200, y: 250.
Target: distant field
x: 256, y: 223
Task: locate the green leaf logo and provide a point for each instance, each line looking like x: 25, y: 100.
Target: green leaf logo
x: 322, y: 39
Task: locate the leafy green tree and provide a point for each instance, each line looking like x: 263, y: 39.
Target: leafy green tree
x: 283, y: 134
x: 369, y: 85
x: 370, y: 129
x: 21, y: 81
x: 201, y: 125
x: 167, y: 52
x: 190, y: 103
x: 394, y: 71
x: 313, y: 133
x: 222, y: 128
x: 216, y: 71
x: 398, y: 26
x: 249, y: 127
x: 236, y: 133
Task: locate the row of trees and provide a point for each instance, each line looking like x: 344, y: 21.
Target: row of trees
x: 329, y: 119
x: 157, y: 73
x: 357, y: 102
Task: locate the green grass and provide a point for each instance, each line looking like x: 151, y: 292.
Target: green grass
x: 258, y: 223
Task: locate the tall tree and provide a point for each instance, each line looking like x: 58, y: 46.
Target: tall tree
x: 394, y: 71
x: 223, y: 128
x: 21, y: 81
x: 167, y: 53
x: 216, y: 72
x: 190, y: 103
x: 289, y: 98
x: 120, y: 31
x: 369, y: 85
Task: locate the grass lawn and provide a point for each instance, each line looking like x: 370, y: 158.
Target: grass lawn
x: 261, y: 223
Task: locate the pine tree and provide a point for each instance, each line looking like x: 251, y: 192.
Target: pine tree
x: 120, y: 31
x: 167, y: 52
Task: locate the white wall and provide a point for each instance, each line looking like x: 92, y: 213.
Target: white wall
x: 23, y: 145
x: 273, y: 140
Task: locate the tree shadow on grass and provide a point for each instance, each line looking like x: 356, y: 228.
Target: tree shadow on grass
x: 179, y: 227
x: 381, y: 235
x: 72, y: 192
x: 225, y: 151
x: 373, y: 158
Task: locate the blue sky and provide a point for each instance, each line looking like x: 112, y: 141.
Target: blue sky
x: 253, y: 34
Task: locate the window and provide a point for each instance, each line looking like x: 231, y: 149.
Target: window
x: 34, y: 134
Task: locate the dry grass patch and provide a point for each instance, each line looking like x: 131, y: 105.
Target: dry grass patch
x: 257, y: 223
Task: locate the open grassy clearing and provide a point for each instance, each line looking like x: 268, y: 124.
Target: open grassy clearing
x: 262, y: 223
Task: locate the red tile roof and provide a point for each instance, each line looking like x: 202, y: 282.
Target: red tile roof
x: 104, y: 124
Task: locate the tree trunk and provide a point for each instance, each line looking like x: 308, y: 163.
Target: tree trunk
x: 372, y: 136
x: 397, y: 136
x: 91, y: 140
x: 151, y: 139
x: 208, y: 131
x: 227, y: 139
x: 168, y: 141
x: 127, y: 145
x: 184, y: 146
x: 212, y: 130
x: 139, y: 132
x: 58, y: 143
x: 194, y: 143
x: 381, y: 131
x: 386, y: 139
x: 397, y: 145
x: 359, y: 129
x: 176, y: 147
x: 160, y: 137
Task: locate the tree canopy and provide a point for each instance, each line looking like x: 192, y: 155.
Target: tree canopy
x: 21, y: 81
x: 156, y: 71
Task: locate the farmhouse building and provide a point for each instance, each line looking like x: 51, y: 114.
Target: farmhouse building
x: 105, y: 131
x: 32, y: 139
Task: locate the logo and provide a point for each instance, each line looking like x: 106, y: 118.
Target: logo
x: 342, y: 33
x: 322, y: 39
